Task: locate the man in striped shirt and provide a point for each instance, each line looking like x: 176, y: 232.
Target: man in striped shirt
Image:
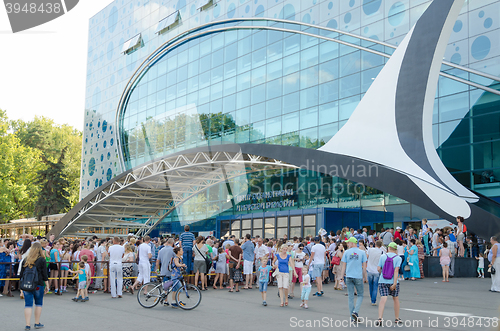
x: 187, y: 241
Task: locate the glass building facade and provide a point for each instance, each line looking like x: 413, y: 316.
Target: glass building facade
x: 276, y: 72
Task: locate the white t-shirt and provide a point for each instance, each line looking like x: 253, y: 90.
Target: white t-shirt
x: 100, y: 251
x: 332, y: 247
x: 299, y: 264
x: 374, y: 254
x: 307, y: 280
x: 260, y: 251
x: 144, y: 251
x: 401, y: 250
x: 116, y: 253
x: 481, y: 262
x: 319, y: 254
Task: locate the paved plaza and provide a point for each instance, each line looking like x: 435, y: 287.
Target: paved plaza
x: 426, y: 304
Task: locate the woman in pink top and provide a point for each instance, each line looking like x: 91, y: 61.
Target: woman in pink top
x: 445, y: 259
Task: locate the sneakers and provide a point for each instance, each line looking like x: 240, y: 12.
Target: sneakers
x: 85, y: 300
x: 306, y: 306
x: 55, y: 291
x: 38, y: 326
x: 374, y: 304
x: 318, y: 294
x: 27, y: 327
x: 165, y: 304
x: 355, y: 316
x: 264, y: 303
x: 174, y: 305
x: 482, y: 276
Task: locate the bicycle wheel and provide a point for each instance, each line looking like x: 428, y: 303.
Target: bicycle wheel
x: 189, y: 297
x: 150, y: 294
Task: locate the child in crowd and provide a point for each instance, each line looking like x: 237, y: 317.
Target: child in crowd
x: 85, y: 258
x: 305, y: 287
x: 82, y: 294
x: 220, y: 269
x: 263, y: 272
x: 480, y: 265
x: 66, y: 257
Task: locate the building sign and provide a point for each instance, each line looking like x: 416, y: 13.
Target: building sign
x: 265, y: 205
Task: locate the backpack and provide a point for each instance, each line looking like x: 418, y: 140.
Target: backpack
x: 464, y: 228
x: 170, y: 266
x: 29, y: 279
x: 388, y: 269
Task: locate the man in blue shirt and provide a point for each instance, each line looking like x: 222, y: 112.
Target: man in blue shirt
x: 248, y: 257
x: 354, y: 268
x: 187, y: 241
x: 389, y: 286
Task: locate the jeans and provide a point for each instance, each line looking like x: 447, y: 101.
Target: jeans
x: 373, y: 283
x: 304, y: 295
x: 351, y: 284
x: 426, y: 244
x: 37, y: 295
x: 187, y: 258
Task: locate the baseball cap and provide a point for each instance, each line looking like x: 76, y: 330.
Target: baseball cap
x: 352, y: 240
x: 398, y: 228
x: 317, y: 239
x: 393, y: 245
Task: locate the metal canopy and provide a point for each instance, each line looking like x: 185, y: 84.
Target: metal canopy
x: 142, y: 197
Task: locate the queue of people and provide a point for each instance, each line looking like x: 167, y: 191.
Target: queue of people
x: 348, y: 257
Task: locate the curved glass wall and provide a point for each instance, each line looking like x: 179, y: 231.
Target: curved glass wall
x: 244, y: 86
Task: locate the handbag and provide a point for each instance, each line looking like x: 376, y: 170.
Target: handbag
x: 407, y: 268
x: 493, y: 271
x: 335, y: 260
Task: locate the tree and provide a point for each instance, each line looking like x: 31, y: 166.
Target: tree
x: 50, y: 139
x: 19, y: 165
x: 54, y: 196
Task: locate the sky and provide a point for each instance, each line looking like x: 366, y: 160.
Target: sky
x: 43, y: 69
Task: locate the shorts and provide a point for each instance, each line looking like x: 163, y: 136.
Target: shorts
x: 263, y: 286
x: 53, y: 266
x: 36, y: 295
x: 385, y: 290
x: 235, y: 275
x: 82, y: 285
x: 64, y: 268
x: 247, y: 267
x: 283, y: 279
x: 200, y: 266
x: 299, y: 274
x: 317, y: 270
x: 480, y: 270
x: 460, y: 237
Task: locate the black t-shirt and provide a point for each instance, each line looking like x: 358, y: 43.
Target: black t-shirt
x: 41, y: 266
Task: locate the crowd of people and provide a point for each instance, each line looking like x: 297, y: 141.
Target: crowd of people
x: 347, y: 257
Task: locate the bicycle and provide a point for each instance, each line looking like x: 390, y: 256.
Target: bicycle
x: 187, y: 296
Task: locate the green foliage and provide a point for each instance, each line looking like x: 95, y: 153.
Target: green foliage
x: 18, y: 168
x: 53, y: 197
x: 37, y: 148
x: 50, y: 139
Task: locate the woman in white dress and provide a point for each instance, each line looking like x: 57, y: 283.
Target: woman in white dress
x: 493, y: 257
